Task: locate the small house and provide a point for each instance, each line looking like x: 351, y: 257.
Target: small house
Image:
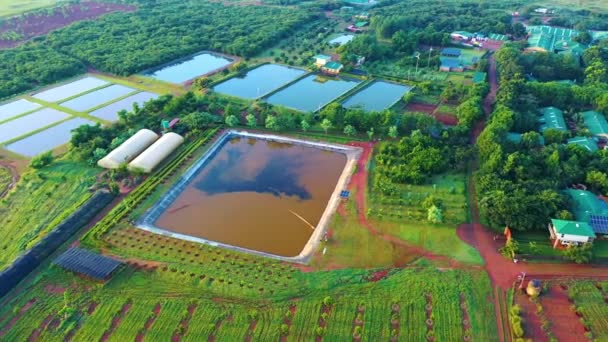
x: 321, y: 60
x: 332, y: 68
x: 587, y: 143
x: 451, y: 52
x: 461, y: 35
x: 448, y: 65
x: 570, y: 232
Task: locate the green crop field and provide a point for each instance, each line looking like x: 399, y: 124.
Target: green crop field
x: 590, y: 303
x: 398, y: 305
x: 5, y: 178
x: 39, y: 202
x: 14, y: 7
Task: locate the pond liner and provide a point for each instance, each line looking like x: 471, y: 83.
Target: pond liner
x: 28, y: 261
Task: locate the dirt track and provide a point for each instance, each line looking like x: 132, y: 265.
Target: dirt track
x: 14, y: 177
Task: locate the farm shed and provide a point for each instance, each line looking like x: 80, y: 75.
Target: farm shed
x: 552, y: 117
x: 585, y: 142
x: 156, y: 153
x: 596, y: 123
x: 321, y: 60
x: 570, y: 232
x: 129, y: 149
x: 451, y: 52
x: 87, y: 263
x: 332, y: 68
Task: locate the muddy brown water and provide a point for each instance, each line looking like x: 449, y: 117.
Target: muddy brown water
x: 257, y: 194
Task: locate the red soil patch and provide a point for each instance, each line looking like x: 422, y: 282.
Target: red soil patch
x: 116, y: 321
x: 565, y: 325
x: 421, y: 107
x: 15, y: 319
x: 36, y: 333
x: 14, y: 177
x: 378, y: 275
x: 531, y: 321
x: 446, y: 118
x: 177, y: 336
x: 148, y: 324
x: 38, y: 24
x: 92, y: 308
x: 54, y: 289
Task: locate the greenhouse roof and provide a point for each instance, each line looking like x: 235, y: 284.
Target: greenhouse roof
x: 596, y: 122
x: 550, y: 38
x: 87, y: 263
x: 552, y: 118
x: 585, y: 142
x: 586, y: 204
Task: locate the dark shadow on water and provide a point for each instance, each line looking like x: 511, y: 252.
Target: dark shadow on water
x: 279, y: 176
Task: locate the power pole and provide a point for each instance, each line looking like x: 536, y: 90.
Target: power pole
x: 417, y: 60
x: 429, y: 63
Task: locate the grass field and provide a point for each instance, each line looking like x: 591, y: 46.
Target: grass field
x: 14, y: 7
x: 39, y: 202
x: 590, y: 302
x: 403, y: 216
x: 161, y: 307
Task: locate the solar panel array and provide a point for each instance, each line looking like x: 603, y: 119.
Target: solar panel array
x: 599, y: 223
x: 87, y: 263
x: 344, y: 193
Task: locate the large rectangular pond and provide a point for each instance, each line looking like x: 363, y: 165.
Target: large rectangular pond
x: 110, y: 112
x: 48, y: 139
x: 28, y: 123
x: 14, y: 108
x: 254, y: 193
x: 184, y: 70
x: 71, y: 89
x: 312, y: 92
x: 97, y: 97
x: 259, y: 81
x: 377, y: 96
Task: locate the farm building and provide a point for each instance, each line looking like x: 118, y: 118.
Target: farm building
x: 585, y: 204
x: 361, y: 24
x: 552, y: 117
x: 321, y: 60
x: 128, y: 150
x: 570, y: 232
x: 461, y: 35
x: 363, y: 3
x: 451, y: 52
x: 587, y: 143
x: 498, y: 37
x: 450, y: 64
x: 87, y: 263
x: 479, y: 77
x: 596, y: 123
x: 156, y: 153
x: 362, y: 16
x: 544, y: 38
x: 332, y: 68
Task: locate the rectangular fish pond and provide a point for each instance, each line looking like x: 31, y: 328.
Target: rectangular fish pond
x: 71, y: 89
x: 29, y: 123
x: 312, y: 92
x: 48, y: 139
x: 259, y: 81
x: 110, y: 112
x: 97, y: 97
x: 15, y: 108
x: 377, y: 96
x: 262, y: 194
x: 186, y: 69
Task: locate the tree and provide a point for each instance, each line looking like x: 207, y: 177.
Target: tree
x: 230, y: 110
x: 579, y: 254
x: 597, y: 180
x: 350, y: 130
x: 510, y: 249
x: 326, y: 125
x: 202, y: 83
x: 519, y: 30
x: 252, y: 121
x: 42, y: 160
x: 271, y: 123
x: 231, y: 120
x: 435, y: 215
x: 305, y: 125
x: 392, y: 132
x: 370, y: 133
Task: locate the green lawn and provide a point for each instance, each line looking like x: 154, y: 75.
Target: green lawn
x: 5, y: 178
x: 537, y: 243
x: 14, y: 7
x: 38, y: 203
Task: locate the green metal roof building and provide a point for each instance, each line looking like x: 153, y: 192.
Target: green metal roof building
x: 496, y: 36
x: 552, y: 117
x: 585, y: 203
x: 572, y: 228
x: 595, y: 122
x: 585, y: 142
x: 479, y: 76
x: 545, y: 38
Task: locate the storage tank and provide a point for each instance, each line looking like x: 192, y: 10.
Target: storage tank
x: 129, y: 149
x: 156, y: 153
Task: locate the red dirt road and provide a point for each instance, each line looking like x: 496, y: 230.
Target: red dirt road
x: 565, y: 325
x: 33, y: 25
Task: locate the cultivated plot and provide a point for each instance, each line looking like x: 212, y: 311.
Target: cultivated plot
x: 188, y: 69
x: 29, y: 123
x: 47, y: 139
x: 377, y: 96
x: 312, y: 92
x: 70, y: 89
x: 15, y: 108
x: 260, y: 81
x: 97, y: 97
x: 110, y: 112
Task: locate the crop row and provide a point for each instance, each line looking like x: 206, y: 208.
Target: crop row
x: 591, y: 304
x: 142, y: 191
